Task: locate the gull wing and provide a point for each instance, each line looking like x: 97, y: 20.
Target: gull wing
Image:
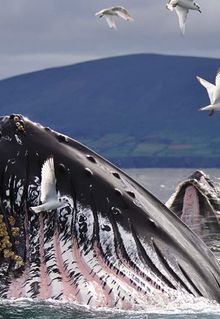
x: 123, y: 13
x: 111, y: 22
x: 102, y: 12
x: 48, y: 180
x: 99, y: 13
x: 217, y: 87
x: 182, y: 15
x: 209, y: 87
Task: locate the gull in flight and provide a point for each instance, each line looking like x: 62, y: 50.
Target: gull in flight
x: 182, y: 8
x: 49, y: 197
x: 110, y: 13
x: 213, y: 92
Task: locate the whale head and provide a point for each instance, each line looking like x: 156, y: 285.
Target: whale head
x: 115, y: 246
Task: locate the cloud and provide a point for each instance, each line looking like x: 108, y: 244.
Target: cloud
x: 25, y: 63
x: 45, y: 33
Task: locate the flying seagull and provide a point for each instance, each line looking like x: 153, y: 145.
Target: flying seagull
x: 49, y: 197
x: 213, y: 92
x: 110, y: 13
x: 182, y: 8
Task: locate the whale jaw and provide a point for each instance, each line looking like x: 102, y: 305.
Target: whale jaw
x: 114, y: 246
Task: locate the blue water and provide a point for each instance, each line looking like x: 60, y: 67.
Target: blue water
x: 31, y: 310
x: 162, y: 183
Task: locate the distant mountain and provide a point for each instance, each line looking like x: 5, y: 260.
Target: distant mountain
x: 137, y: 110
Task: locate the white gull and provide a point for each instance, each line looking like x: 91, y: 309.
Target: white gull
x: 182, y: 8
x: 110, y: 13
x: 213, y: 92
x: 50, y: 198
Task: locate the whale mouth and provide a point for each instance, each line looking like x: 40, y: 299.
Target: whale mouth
x: 196, y: 202
x: 115, y: 245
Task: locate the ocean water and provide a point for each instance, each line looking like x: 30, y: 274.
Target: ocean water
x: 162, y: 183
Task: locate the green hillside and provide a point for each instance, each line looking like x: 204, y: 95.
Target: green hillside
x: 137, y: 110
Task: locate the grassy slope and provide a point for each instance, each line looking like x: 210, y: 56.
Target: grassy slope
x: 127, y: 108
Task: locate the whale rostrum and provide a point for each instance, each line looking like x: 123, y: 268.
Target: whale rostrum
x: 197, y: 202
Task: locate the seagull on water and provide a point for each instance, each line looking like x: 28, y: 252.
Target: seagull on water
x: 182, y: 8
x: 110, y: 13
x: 49, y: 197
x: 213, y: 92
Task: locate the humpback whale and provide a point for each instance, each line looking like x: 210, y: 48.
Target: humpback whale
x: 115, y: 245
x: 197, y: 202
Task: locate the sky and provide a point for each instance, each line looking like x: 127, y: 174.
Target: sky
x: 39, y: 34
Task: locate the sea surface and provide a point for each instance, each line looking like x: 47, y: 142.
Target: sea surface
x: 162, y: 183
